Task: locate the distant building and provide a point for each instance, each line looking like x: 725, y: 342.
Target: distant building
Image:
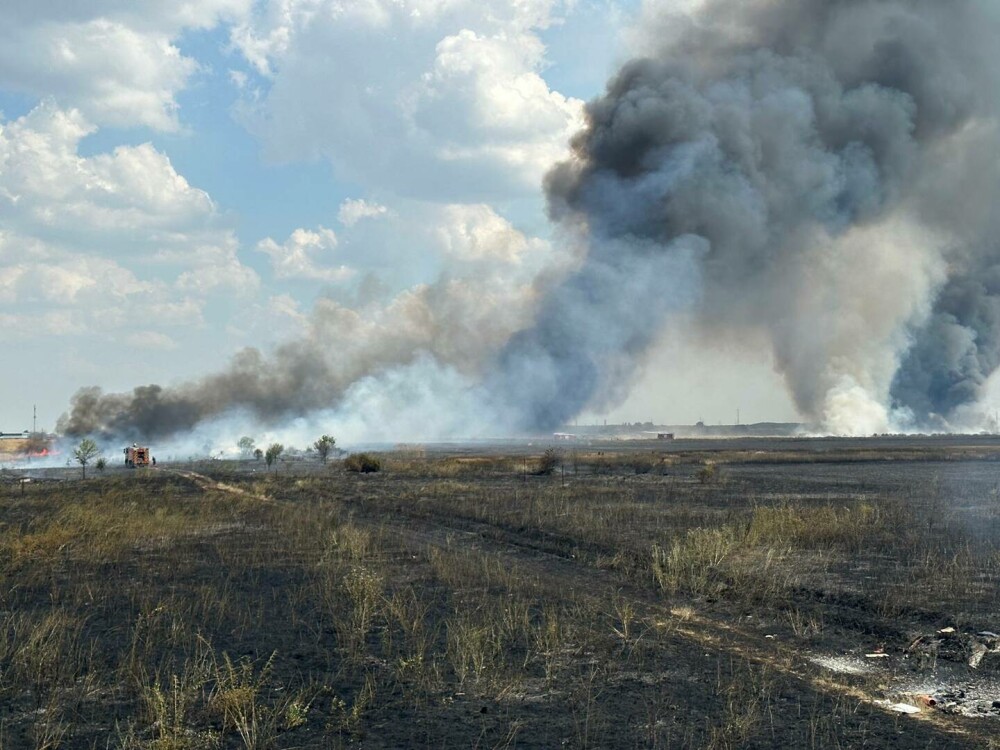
x: 664, y: 436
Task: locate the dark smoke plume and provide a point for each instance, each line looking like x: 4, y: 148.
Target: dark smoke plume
x: 820, y: 154
x: 456, y: 322
x: 821, y: 174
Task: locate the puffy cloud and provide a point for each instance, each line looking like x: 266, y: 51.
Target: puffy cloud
x: 436, y: 99
x: 286, y: 306
x: 186, y: 311
x: 27, y: 326
x: 45, y: 183
x: 484, y: 99
x: 67, y: 282
x: 217, y: 267
x: 116, y: 61
x: 354, y: 210
x: 478, y: 233
x: 302, y: 254
x: 93, y: 243
x: 70, y: 293
x: 152, y: 340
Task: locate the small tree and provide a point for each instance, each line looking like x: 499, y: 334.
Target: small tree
x: 324, y: 445
x: 258, y: 454
x: 101, y: 464
x: 273, y: 451
x: 84, y: 452
x: 246, y: 446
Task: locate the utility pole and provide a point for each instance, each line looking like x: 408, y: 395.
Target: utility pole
x: 34, y: 418
x: 737, y: 416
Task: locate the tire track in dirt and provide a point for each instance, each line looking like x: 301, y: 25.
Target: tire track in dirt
x: 207, y: 484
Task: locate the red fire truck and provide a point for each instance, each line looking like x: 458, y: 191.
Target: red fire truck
x: 136, y: 456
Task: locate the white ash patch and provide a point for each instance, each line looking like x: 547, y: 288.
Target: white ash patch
x: 843, y: 664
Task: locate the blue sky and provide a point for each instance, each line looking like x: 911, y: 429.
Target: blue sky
x: 180, y: 182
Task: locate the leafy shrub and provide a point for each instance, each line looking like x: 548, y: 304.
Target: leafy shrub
x: 363, y: 463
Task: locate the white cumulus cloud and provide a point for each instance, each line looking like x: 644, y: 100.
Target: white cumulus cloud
x: 354, y: 210
x: 478, y: 233
x: 44, y: 182
x: 305, y: 255
x: 93, y: 243
x: 432, y: 99
x: 117, y: 62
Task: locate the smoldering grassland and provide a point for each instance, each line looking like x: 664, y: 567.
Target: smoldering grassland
x: 906, y: 534
x: 470, y: 601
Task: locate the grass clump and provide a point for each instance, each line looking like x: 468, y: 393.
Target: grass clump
x: 708, y: 473
x: 822, y: 527
x: 695, y: 562
x: 734, y: 556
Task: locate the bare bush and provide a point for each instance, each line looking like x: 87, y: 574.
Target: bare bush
x: 363, y: 463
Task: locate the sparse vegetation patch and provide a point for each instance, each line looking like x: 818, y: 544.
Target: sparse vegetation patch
x: 455, y: 601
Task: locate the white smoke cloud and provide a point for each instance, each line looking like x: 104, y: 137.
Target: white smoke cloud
x: 449, y: 330
x: 805, y: 144
x: 840, y: 320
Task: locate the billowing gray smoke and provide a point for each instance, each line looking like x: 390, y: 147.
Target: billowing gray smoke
x: 833, y: 164
x: 821, y: 174
x: 957, y: 349
x: 458, y: 322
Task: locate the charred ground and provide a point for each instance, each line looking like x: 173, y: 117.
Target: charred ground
x: 714, y: 594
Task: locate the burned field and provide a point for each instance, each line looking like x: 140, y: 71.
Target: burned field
x: 722, y: 594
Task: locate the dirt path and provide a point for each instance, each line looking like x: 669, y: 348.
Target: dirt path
x: 207, y: 484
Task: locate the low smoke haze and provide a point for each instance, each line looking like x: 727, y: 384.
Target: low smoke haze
x: 778, y: 206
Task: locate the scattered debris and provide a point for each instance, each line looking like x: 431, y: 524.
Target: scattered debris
x: 959, y: 672
x: 944, y: 670
x: 903, y: 708
x: 979, y: 650
x: 977, y: 700
x: 951, y: 645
